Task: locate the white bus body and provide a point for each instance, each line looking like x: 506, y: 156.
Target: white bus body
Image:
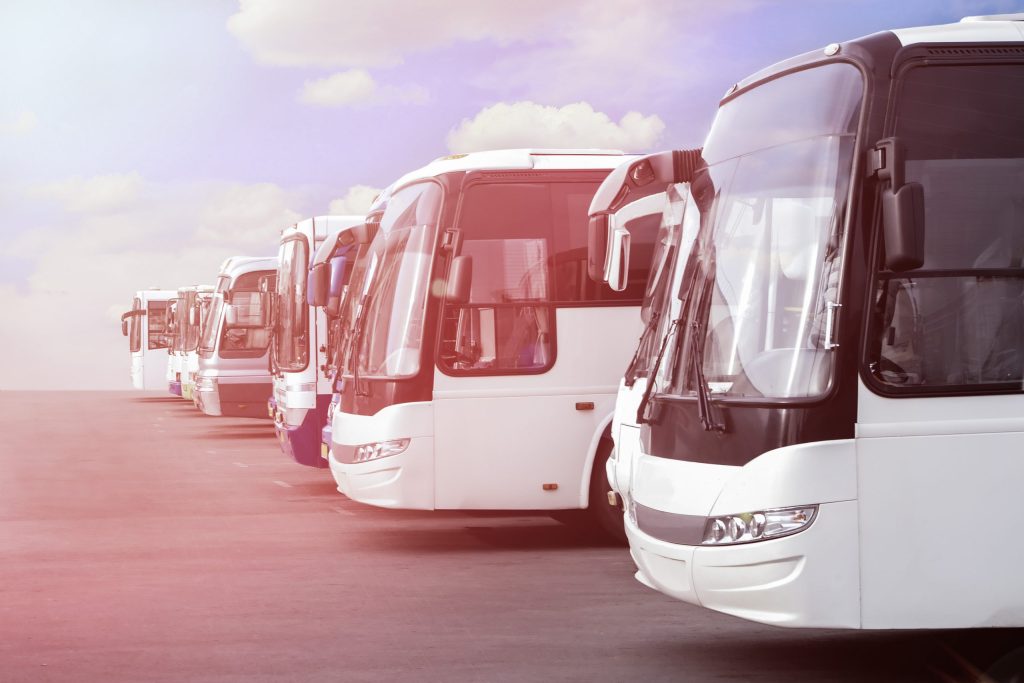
x: 485, y: 363
x: 197, y: 308
x: 302, y: 387
x: 145, y: 326
x: 233, y: 377
x: 834, y: 430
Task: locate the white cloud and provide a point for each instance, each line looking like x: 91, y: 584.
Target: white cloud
x: 168, y: 235
x: 527, y: 124
x: 381, y: 33
x: 356, y: 202
x: 563, y: 51
x: 19, y: 124
x: 104, y: 193
x: 357, y: 87
x: 247, y: 217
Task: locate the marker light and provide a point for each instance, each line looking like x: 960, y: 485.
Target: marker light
x: 380, y: 449
x: 748, y: 527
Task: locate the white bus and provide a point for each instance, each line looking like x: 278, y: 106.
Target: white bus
x: 485, y: 361
x: 195, y: 305
x: 302, y: 385
x: 637, y: 230
x: 184, y: 326
x: 233, y: 378
x: 832, y: 433
x: 145, y: 325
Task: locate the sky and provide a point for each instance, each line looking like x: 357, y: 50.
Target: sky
x: 142, y: 143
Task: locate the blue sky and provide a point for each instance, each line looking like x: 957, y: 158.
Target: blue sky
x: 141, y: 143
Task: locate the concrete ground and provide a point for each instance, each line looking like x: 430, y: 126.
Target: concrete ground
x: 141, y: 540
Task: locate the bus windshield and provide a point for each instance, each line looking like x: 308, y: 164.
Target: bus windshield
x: 135, y: 327
x: 391, y: 321
x: 212, y: 324
x: 291, y: 345
x: 766, y: 264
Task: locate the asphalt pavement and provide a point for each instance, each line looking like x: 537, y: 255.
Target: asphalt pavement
x: 143, y: 541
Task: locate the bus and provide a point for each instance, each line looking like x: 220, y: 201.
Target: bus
x: 302, y: 385
x: 183, y: 326
x: 194, y: 305
x: 636, y: 231
x: 233, y: 378
x: 145, y: 325
x: 831, y: 429
x: 484, y: 364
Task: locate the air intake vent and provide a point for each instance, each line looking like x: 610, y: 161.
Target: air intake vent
x: 1007, y: 51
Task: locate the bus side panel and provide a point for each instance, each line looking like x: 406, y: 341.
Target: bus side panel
x: 500, y: 439
x: 940, y: 529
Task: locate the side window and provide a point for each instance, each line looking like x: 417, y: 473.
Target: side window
x: 569, y: 204
x: 957, y: 322
x: 156, y: 321
x: 507, y: 325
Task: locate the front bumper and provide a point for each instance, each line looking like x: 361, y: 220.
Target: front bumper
x: 207, y: 400
x: 809, y: 579
x: 403, y: 481
x: 302, y: 443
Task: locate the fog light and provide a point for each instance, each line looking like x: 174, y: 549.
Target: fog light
x: 749, y: 527
x: 380, y: 449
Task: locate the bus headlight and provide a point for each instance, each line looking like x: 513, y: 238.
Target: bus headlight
x: 380, y: 449
x: 206, y: 383
x: 748, y: 527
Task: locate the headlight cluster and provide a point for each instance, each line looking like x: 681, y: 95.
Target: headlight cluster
x: 748, y: 527
x: 206, y: 383
x: 380, y: 449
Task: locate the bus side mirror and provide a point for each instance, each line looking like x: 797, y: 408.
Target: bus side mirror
x: 460, y: 278
x: 903, y: 227
x: 902, y: 207
x: 230, y: 314
x: 597, y: 246
x: 318, y: 284
x: 124, y: 327
x: 618, y: 271
x: 193, y: 317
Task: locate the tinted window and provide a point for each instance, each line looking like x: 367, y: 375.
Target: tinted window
x: 958, y: 321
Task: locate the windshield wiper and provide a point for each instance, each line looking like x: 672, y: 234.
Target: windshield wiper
x: 699, y: 329
x: 645, y: 339
x: 645, y: 400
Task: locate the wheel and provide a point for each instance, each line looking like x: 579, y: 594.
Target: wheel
x: 606, y: 517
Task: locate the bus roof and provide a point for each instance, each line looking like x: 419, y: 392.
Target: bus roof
x: 516, y: 160
x: 319, y: 227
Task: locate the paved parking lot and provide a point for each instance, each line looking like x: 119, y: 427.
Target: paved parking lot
x: 141, y: 540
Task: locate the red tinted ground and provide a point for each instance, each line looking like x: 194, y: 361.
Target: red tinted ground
x: 141, y: 540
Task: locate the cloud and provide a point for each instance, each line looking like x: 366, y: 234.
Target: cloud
x: 382, y: 33
x: 527, y: 124
x: 104, y: 193
x: 160, y: 234
x: 356, y: 202
x: 356, y: 87
x: 19, y: 124
x: 248, y: 217
x: 540, y: 50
